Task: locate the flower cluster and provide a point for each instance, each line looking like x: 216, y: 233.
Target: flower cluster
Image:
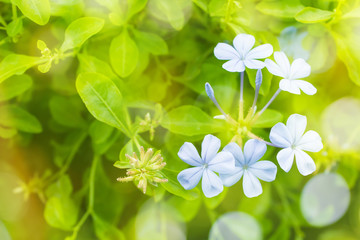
x: 233, y: 162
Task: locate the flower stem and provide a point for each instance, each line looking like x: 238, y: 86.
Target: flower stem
x: 267, y: 105
x: 241, y: 102
x: 251, y: 135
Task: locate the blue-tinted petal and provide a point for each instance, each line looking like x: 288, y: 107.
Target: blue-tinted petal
x: 209, y: 147
x: 264, y: 170
x: 211, y: 184
x: 254, y: 150
x: 304, y: 163
x: 236, y: 151
x: 280, y: 136
x: 251, y: 185
x: 190, y: 177
x: 189, y: 154
x: 223, y: 162
x: 230, y: 179
x: 286, y: 158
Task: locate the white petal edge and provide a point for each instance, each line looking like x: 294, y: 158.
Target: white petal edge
x: 254, y: 150
x: 224, y: 51
x: 230, y: 179
x: 306, y: 87
x: 285, y: 158
x: 310, y: 141
x: 190, y: 155
x: 304, y: 163
x: 236, y: 151
x: 251, y: 185
x: 289, y: 86
x: 299, y: 69
x: 211, y: 184
x: 273, y: 68
x: 243, y: 43
x: 264, y: 170
x: 259, y: 52
x: 254, y: 64
x: 209, y: 147
x: 234, y: 65
x: 190, y: 177
x: 296, y: 124
x: 223, y: 162
x: 280, y: 136
x: 283, y: 62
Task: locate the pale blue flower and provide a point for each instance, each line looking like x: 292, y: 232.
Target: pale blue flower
x: 247, y: 165
x: 293, y: 141
x: 291, y: 73
x: 204, y: 167
x: 242, y: 55
x: 291, y: 42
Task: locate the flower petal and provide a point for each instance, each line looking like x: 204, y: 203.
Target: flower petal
x: 243, y: 43
x: 236, y: 151
x: 264, y: 170
x: 289, y: 86
x: 254, y: 64
x: 211, y: 184
x: 299, y: 69
x: 209, y: 148
x: 304, y: 163
x: 285, y: 158
x: 283, y: 62
x: 296, y: 124
x: 234, y: 65
x: 310, y: 141
x: 273, y: 68
x: 251, y: 185
x: 306, y: 87
x: 230, y: 179
x: 262, y: 51
x: 253, y: 151
x: 224, y: 51
x: 190, y: 177
x: 280, y: 136
x: 190, y: 155
x: 223, y: 162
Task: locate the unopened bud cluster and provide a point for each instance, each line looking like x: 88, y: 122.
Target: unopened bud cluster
x: 145, y: 169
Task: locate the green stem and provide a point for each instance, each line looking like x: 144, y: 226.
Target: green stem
x: 241, y: 102
x: 14, y: 12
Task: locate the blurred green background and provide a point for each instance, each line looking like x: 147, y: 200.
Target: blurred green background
x: 57, y: 178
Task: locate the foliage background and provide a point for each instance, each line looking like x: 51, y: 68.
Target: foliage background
x: 59, y: 158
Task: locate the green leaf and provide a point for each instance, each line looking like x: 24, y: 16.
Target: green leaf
x: 151, y: 42
x: 103, y: 136
x: 280, y: 8
x: 7, y: 132
x: 103, y: 100
x: 14, y: 86
x: 189, y: 121
x: 268, y: 119
x: 4, y: 233
x: 124, y: 54
x: 15, y: 64
x: 105, y: 230
x: 188, y: 209
x: 135, y: 6
x: 37, y: 11
x: 61, y: 188
x: 66, y: 112
x: 170, y: 11
x: 14, y: 28
x: 81, y: 30
x: 217, y: 8
x: 61, y: 213
x: 173, y: 186
x: 313, y: 15
x: 15, y: 117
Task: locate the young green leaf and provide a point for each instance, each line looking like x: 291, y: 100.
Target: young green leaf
x: 268, y: 119
x: 266, y: 80
x: 14, y: 86
x: 15, y: 27
x: 105, y: 230
x: 189, y: 120
x: 103, y: 100
x: 313, y: 15
x: 124, y: 54
x: 61, y: 212
x: 37, y: 11
x: 170, y: 11
x: 280, y: 8
x: 81, y: 30
x: 15, y: 64
x: 135, y: 6
x: 15, y: 117
x: 59, y: 108
x: 151, y: 42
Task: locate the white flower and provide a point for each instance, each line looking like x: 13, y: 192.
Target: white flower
x: 247, y: 165
x: 291, y: 73
x: 241, y: 54
x: 204, y: 167
x: 292, y: 138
